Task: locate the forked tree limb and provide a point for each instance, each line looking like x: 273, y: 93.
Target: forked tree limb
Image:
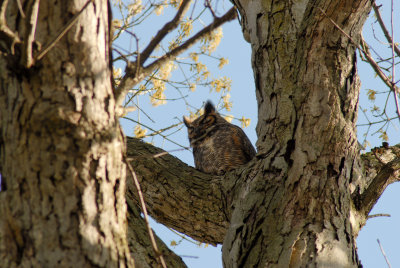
x: 132, y: 77
x: 196, y: 197
x: 383, y: 164
x: 167, y: 28
x: 195, y: 203
x: 6, y: 34
x: 388, y: 174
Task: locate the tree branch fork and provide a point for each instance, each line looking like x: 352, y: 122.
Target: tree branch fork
x: 135, y: 71
x: 171, y: 189
x: 382, y: 168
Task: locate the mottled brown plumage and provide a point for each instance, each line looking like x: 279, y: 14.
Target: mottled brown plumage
x: 218, y: 146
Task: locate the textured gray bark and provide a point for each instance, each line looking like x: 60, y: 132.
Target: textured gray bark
x: 293, y: 205
x: 299, y: 210
x: 63, y: 200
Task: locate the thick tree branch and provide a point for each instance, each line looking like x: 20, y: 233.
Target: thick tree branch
x: 383, y: 164
x: 133, y: 77
x: 230, y: 15
x: 177, y: 195
x: 169, y: 186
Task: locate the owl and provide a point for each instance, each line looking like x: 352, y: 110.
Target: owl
x: 218, y: 146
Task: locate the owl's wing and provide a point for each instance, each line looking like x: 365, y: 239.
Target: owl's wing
x: 246, y: 146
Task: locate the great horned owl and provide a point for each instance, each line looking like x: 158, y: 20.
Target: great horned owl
x: 218, y: 146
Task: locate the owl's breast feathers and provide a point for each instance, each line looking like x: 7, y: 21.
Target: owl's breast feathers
x: 224, y: 148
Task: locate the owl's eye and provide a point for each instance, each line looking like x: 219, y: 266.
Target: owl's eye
x: 209, y: 119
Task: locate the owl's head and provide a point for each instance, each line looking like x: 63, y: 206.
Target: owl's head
x: 199, y: 128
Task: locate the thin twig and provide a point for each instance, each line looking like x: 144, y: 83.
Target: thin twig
x: 228, y: 16
x: 392, y: 44
x: 383, y: 253
x: 61, y: 33
x: 137, y: 68
x: 384, y: 29
x: 146, y: 216
x: 129, y: 80
x: 7, y: 34
x: 165, y: 153
x: 207, y: 4
x: 154, y: 155
x: 378, y: 215
x: 165, y: 137
x: 164, y: 129
x: 187, y: 256
x: 20, y: 9
x: 31, y: 23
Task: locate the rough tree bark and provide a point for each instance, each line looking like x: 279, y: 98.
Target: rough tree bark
x: 63, y: 193
x: 305, y: 197
x: 300, y: 202
x: 62, y: 201
x: 307, y: 93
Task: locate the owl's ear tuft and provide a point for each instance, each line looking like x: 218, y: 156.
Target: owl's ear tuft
x: 187, y: 121
x: 209, y: 108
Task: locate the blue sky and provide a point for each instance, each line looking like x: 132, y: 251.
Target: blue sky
x: 243, y: 97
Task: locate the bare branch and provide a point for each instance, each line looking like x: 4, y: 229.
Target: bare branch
x: 387, y: 172
x: 230, y: 15
x: 384, y: 255
x: 164, y: 31
x: 29, y: 38
x: 379, y: 72
x: 384, y: 29
x: 392, y: 44
x: 156, y: 133
x: 378, y: 215
x: 130, y: 79
x: 20, y: 9
x: 365, y: 50
x: 207, y: 4
x: 6, y: 33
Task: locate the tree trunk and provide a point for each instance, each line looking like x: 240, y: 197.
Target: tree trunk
x: 63, y: 197
x: 297, y: 211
